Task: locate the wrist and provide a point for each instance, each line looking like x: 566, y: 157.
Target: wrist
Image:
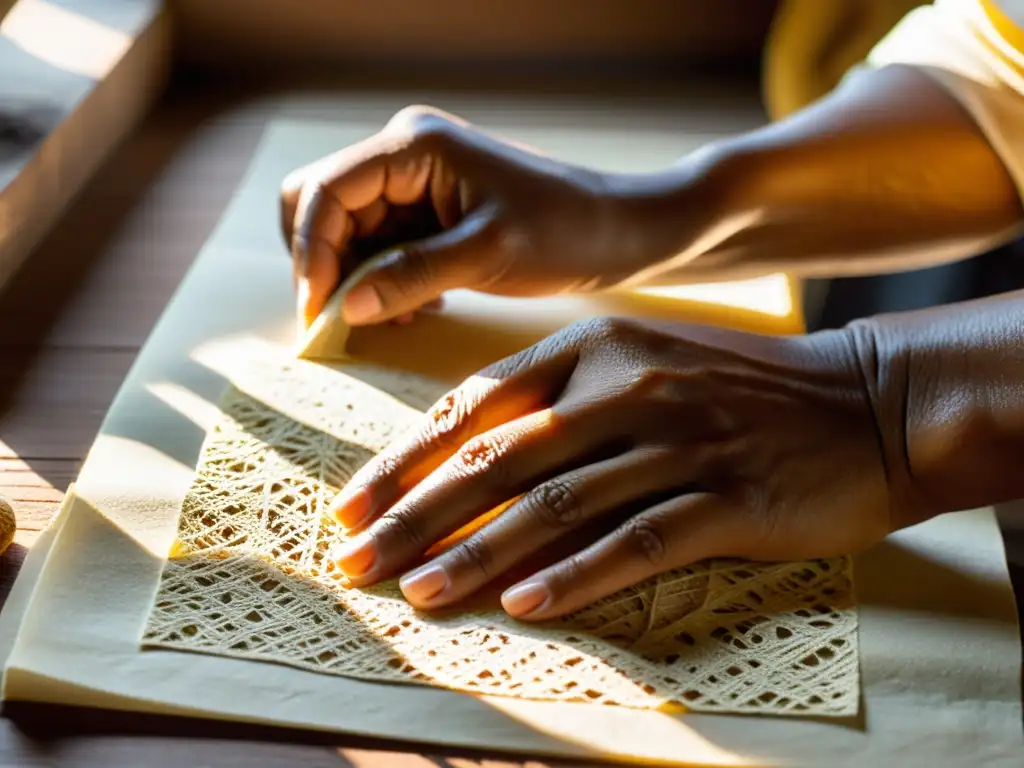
x: 945, y: 389
x: 885, y: 376
x: 661, y: 217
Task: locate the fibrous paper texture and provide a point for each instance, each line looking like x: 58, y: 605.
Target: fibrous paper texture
x: 938, y: 636
x: 252, y: 576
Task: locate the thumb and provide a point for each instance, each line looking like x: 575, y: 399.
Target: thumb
x: 417, y: 273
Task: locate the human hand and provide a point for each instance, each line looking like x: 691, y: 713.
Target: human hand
x: 448, y: 206
x: 679, y: 442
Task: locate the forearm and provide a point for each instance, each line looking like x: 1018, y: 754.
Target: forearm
x: 947, y: 385
x: 887, y: 173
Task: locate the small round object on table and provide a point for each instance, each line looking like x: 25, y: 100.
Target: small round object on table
x: 8, y: 524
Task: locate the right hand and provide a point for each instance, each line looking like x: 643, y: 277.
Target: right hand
x: 453, y: 207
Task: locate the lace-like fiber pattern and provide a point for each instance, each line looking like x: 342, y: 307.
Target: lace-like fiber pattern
x: 251, y: 576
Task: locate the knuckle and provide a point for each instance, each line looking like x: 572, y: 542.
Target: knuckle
x: 385, y: 468
x: 645, y: 539
x: 387, y: 465
x: 591, y: 329
x: 308, y: 206
x: 554, y: 504
x: 418, y: 123
x: 571, y: 571
x: 410, y: 115
x: 475, y: 553
x: 291, y: 185
x: 520, y: 361
x: 402, y: 525
x: 448, y: 419
x: 577, y: 336
x: 483, y: 456
x: 605, y: 330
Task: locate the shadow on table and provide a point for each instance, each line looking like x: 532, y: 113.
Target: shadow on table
x: 10, y: 564
x: 74, y: 262
x: 96, y: 532
x: 24, y: 126
x: 193, y: 741
x: 54, y: 725
x: 253, y: 542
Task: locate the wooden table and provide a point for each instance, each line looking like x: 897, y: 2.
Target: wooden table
x: 70, y: 326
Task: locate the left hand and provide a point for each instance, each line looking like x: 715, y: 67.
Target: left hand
x: 691, y: 442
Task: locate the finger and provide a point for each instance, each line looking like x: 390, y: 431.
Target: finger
x: 444, y: 194
x: 326, y: 227
x: 525, y: 382
x: 420, y: 153
x: 368, y: 219
x: 291, y: 188
x: 549, y: 511
x: 670, y: 535
x: 409, y: 180
x: 417, y: 273
x: 390, y: 165
x: 332, y: 200
x: 487, y: 471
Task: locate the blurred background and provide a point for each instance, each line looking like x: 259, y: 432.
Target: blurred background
x: 727, y: 64
x: 786, y: 52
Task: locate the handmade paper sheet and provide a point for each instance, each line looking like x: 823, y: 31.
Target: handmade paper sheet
x: 251, y: 576
x: 939, y: 648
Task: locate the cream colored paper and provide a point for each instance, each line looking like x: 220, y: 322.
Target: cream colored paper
x: 940, y: 653
x: 487, y: 328
x: 327, y: 337
x: 17, y: 600
x: 251, y: 577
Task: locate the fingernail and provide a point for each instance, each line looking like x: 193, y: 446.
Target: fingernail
x: 362, y: 305
x: 524, y: 599
x: 355, y: 558
x: 351, y: 508
x: 424, y: 583
x: 302, y: 304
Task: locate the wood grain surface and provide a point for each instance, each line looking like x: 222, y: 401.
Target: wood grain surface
x: 71, y: 324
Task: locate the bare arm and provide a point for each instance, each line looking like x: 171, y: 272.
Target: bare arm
x: 886, y: 173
